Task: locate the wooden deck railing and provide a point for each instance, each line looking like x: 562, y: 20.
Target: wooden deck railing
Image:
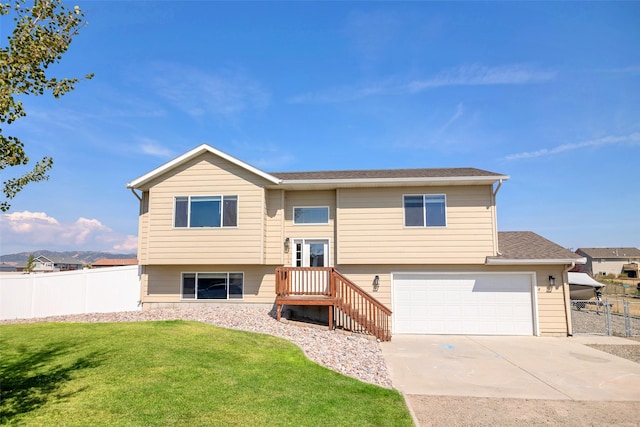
x: 360, y: 311
x: 354, y: 308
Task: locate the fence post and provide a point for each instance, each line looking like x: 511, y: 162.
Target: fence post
x: 607, y: 313
x: 627, y: 318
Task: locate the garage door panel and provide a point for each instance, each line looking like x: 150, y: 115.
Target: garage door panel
x: 463, y: 304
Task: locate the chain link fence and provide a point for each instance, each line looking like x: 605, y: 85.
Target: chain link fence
x: 632, y: 318
x: 618, y: 317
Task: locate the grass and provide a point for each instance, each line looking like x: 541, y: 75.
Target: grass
x: 175, y: 373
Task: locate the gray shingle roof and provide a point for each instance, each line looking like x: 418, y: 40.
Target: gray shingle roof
x: 62, y: 260
x: 386, y: 174
x: 611, y: 252
x: 527, y: 245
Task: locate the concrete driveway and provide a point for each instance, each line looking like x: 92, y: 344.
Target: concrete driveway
x: 511, y: 367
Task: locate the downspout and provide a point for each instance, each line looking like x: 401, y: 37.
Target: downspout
x: 135, y: 194
x: 567, y: 302
x: 497, y: 189
x: 141, y: 268
x: 495, y: 219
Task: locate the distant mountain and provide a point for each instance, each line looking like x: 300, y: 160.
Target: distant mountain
x: 86, y: 257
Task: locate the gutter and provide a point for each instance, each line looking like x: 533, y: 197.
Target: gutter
x: 495, y: 218
x: 506, y: 261
x: 404, y: 180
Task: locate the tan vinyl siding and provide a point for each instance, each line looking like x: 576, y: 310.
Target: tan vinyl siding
x: 371, y: 227
x: 274, y: 227
x: 164, y: 282
x: 551, y: 303
x: 206, y: 175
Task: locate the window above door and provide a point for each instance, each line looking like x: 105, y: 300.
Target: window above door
x: 311, y: 215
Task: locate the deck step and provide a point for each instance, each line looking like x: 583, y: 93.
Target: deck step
x: 328, y: 287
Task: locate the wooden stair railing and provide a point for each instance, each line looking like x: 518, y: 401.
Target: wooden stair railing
x: 357, y: 310
x: 363, y: 312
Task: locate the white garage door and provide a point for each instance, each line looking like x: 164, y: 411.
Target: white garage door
x: 470, y: 304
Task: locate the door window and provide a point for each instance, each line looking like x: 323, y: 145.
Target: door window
x: 311, y: 253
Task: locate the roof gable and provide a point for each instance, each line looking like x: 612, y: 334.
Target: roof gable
x: 204, y: 148
x: 58, y: 260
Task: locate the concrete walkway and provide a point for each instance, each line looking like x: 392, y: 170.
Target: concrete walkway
x: 511, y: 367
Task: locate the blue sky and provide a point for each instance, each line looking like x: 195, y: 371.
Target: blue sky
x: 547, y: 93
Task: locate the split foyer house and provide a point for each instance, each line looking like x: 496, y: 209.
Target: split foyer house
x: 615, y: 261
x: 48, y: 264
x: 410, y: 251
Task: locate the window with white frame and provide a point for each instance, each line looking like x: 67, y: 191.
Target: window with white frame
x: 212, y: 285
x: 311, y: 215
x: 425, y: 210
x: 205, y: 211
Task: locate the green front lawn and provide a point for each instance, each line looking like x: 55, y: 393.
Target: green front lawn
x: 175, y: 373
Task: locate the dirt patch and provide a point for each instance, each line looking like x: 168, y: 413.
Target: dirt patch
x: 432, y: 411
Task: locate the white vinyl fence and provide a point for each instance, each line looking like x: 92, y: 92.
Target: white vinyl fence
x: 102, y: 290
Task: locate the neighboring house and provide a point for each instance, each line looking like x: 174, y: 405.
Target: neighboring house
x: 7, y: 268
x: 46, y: 264
x: 424, y: 242
x: 114, y: 262
x: 616, y: 261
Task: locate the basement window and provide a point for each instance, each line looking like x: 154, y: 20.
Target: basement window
x: 212, y: 285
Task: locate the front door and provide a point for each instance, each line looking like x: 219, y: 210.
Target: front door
x: 311, y: 253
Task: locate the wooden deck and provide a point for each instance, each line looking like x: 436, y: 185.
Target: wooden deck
x: 354, y: 308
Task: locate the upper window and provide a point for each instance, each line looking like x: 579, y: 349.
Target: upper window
x: 212, y: 285
x: 428, y: 210
x: 315, y: 215
x: 206, y: 211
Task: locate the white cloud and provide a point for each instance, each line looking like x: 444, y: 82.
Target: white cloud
x: 28, y: 231
x: 631, y: 69
x: 153, y: 148
x: 26, y: 222
x: 633, y: 138
x: 477, y: 75
x: 200, y: 93
x: 458, y: 113
x: 468, y: 75
x: 129, y: 245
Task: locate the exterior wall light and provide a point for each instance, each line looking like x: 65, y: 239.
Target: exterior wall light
x: 552, y: 281
x: 287, y: 244
x: 376, y: 283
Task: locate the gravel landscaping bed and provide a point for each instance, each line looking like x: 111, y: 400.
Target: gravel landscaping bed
x: 353, y: 355
x: 591, y: 322
x: 629, y: 352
